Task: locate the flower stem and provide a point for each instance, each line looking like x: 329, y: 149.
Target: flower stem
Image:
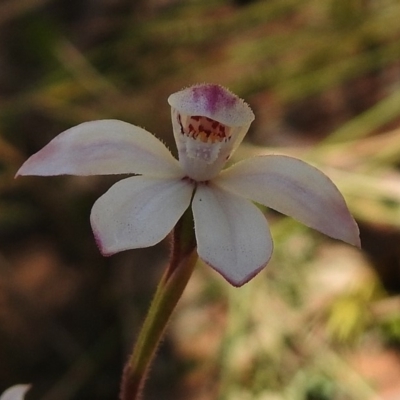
x: 169, y: 291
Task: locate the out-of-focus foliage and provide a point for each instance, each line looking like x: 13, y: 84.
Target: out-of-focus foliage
x: 322, y: 322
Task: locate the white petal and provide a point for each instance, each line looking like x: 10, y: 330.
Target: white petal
x: 103, y: 147
x: 294, y: 188
x: 16, y: 392
x: 232, y: 234
x: 212, y: 101
x: 138, y: 212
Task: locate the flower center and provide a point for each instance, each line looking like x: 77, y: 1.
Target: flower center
x: 205, y: 129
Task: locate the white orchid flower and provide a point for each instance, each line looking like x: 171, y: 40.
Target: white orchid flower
x: 16, y: 392
x: 209, y: 122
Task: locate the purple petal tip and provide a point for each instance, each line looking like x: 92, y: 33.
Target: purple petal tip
x: 239, y: 282
x: 212, y: 101
x: 100, y: 245
x: 215, y: 96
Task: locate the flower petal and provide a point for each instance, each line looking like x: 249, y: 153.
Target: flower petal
x: 103, y: 147
x: 138, y: 212
x: 16, y: 392
x: 232, y: 234
x: 294, y: 188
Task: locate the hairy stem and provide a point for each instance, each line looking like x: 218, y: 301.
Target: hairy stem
x: 169, y: 291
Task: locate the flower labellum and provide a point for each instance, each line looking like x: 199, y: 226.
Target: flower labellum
x: 209, y: 122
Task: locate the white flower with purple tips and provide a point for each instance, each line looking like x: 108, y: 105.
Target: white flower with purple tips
x: 209, y: 122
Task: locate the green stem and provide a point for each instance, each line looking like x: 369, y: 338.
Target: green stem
x: 169, y: 291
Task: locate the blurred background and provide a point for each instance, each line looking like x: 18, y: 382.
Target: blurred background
x: 322, y: 322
